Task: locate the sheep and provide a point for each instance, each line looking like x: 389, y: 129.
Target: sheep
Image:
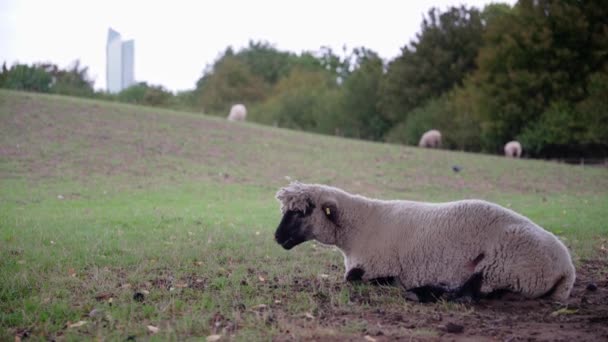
x: 455, y: 247
x: 513, y: 149
x: 431, y: 139
x: 238, y: 112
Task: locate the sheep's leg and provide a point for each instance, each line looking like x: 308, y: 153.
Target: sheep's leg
x: 384, y: 281
x: 356, y: 273
x: 470, y: 291
x: 426, y: 294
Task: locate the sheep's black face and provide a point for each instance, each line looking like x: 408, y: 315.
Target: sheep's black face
x: 294, y: 228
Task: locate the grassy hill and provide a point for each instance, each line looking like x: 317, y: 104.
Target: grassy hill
x: 101, y: 202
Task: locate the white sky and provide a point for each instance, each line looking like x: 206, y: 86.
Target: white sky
x: 174, y: 40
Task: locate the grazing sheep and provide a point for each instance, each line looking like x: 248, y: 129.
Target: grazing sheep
x: 238, y: 112
x: 431, y: 139
x: 456, y: 247
x: 513, y: 149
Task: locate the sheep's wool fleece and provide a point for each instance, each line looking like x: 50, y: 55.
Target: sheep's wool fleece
x: 431, y: 138
x: 513, y: 149
x: 238, y: 112
x: 442, y: 243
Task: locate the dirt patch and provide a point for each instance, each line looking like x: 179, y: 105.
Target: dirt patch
x: 584, y: 318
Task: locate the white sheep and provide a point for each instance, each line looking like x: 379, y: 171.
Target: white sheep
x: 238, y: 112
x: 431, y: 139
x: 513, y: 149
x: 447, y: 245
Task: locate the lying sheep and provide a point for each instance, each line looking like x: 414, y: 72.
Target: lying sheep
x: 464, y: 246
x: 238, y: 112
x: 430, y: 139
x: 513, y: 149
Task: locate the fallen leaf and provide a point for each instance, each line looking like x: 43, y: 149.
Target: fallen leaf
x: 146, y: 292
x: 153, y: 329
x: 309, y: 315
x: 181, y: 285
x: 213, y: 338
x: 324, y: 276
x: 71, y: 272
x: 125, y: 286
x: 259, y: 307
x: 277, y: 301
x: 77, y: 324
x: 198, y: 263
x: 369, y: 338
x: 60, y: 197
x: 52, y: 242
x: 257, y: 233
x: 261, y: 279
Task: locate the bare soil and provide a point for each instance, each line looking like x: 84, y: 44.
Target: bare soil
x: 584, y: 318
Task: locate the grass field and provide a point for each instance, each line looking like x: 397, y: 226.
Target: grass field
x: 122, y: 222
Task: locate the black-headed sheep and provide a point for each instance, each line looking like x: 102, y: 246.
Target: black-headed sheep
x: 513, y: 149
x: 431, y: 139
x: 468, y: 245
x: 238, y: 112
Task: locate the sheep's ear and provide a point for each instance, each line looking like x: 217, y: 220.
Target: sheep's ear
x: 330, y: 210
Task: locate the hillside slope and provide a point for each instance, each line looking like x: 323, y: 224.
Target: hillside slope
x: 121, y: 222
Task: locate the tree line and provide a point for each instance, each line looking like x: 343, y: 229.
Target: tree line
x: 536, y: 72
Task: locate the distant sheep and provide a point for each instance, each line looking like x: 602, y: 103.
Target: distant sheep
x: 431, y: 139
x: 448, y: 246
x: 513, y: 149
x: 238, y: 112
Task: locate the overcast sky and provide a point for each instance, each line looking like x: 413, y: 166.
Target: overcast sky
x: 175, y: 40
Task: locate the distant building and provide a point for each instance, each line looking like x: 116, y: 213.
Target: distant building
x: 120, y: 62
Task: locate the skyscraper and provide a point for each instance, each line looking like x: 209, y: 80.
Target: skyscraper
x: 120, y: 61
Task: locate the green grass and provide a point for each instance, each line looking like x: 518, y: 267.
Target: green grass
x: 102, y: 200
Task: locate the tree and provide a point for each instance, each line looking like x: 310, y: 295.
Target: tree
x: 230, y: 81
x: 144, y: 94
x: 72, y: 81
x: 25, y: 77
x: 359, y: 115
x: 441, y: 56
x: 535, y: 67
x: 265, y: 61
x: 303, y: 100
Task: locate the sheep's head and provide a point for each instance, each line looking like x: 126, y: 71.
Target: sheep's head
x: 309, y: 212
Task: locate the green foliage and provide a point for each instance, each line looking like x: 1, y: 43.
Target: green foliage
x: 25, y: 77
x: 142, y: 93
x: 432, y: 115
x: 358, y: 115
x: 72, y: 81
x: 558, y: 125
x: 47, y: 78
x: 535, y: 64
x: 439, y: 59
x: 265, y: 61
x: 594, y: 109
x: 230, y: 81
x: 303, y: 100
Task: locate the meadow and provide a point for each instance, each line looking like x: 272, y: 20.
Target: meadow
x: 121, y: 222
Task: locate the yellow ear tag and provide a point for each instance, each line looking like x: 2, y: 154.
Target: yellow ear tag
x: 327, y: 211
